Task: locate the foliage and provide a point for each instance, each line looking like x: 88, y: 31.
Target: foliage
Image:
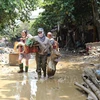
x: 15, y: 9
x: 17, y: 31
x: 65, y: 13
x: 83, y: 10
x: 55, y: 13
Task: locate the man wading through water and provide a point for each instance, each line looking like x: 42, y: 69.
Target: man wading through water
x: 44, y: 52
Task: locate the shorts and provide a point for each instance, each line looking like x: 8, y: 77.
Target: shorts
x: 26, y: 56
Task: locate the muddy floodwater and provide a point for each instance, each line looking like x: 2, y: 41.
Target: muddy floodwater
x: 26, y: 86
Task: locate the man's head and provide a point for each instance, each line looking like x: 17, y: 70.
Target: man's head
x: 40, y: 32
x: 49, y: 35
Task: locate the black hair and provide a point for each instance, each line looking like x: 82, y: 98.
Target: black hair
x: 25, y: 31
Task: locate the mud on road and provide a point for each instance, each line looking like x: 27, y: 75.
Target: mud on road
x: 26, y: 86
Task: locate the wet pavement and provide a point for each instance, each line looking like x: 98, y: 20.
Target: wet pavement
x: 26, y: 86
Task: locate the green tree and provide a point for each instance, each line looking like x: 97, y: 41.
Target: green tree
x: 15, y: 9
x: 56, y: 12
x: 67, y: 12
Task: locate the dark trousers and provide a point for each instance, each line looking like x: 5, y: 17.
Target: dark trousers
x: 41, y: 63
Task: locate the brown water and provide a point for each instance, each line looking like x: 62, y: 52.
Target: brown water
x: 26, y: 86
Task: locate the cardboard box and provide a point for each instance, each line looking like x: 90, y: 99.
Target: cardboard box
x: 13, y: 59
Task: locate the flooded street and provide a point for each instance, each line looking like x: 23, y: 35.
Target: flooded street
x: 49, y: 49
x: 26, y: 86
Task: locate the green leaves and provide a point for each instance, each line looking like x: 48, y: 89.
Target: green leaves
x: 15, y: 9
x: 55, y: 12
x: 66, y: 12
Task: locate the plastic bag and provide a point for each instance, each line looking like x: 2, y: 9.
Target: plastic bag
x: 30, y: 42
x: 97, y: 72
x: 55, y: 54
x: 51, y: 68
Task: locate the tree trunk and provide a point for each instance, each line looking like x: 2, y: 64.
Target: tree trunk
x: 92, y: 96
x: 92, y: 86
x: 91, y: 75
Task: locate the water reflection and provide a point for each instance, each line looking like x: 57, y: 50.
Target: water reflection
x: 22, y: 89
x: 26, y: 89
x: 26, y: 86
x: 47, y: 90
x: 51, y: 89
x: 33, y: 85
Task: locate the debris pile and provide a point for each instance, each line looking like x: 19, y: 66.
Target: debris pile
x: 91, y: 85
x: 4, y: 54
x: 93, y: 48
